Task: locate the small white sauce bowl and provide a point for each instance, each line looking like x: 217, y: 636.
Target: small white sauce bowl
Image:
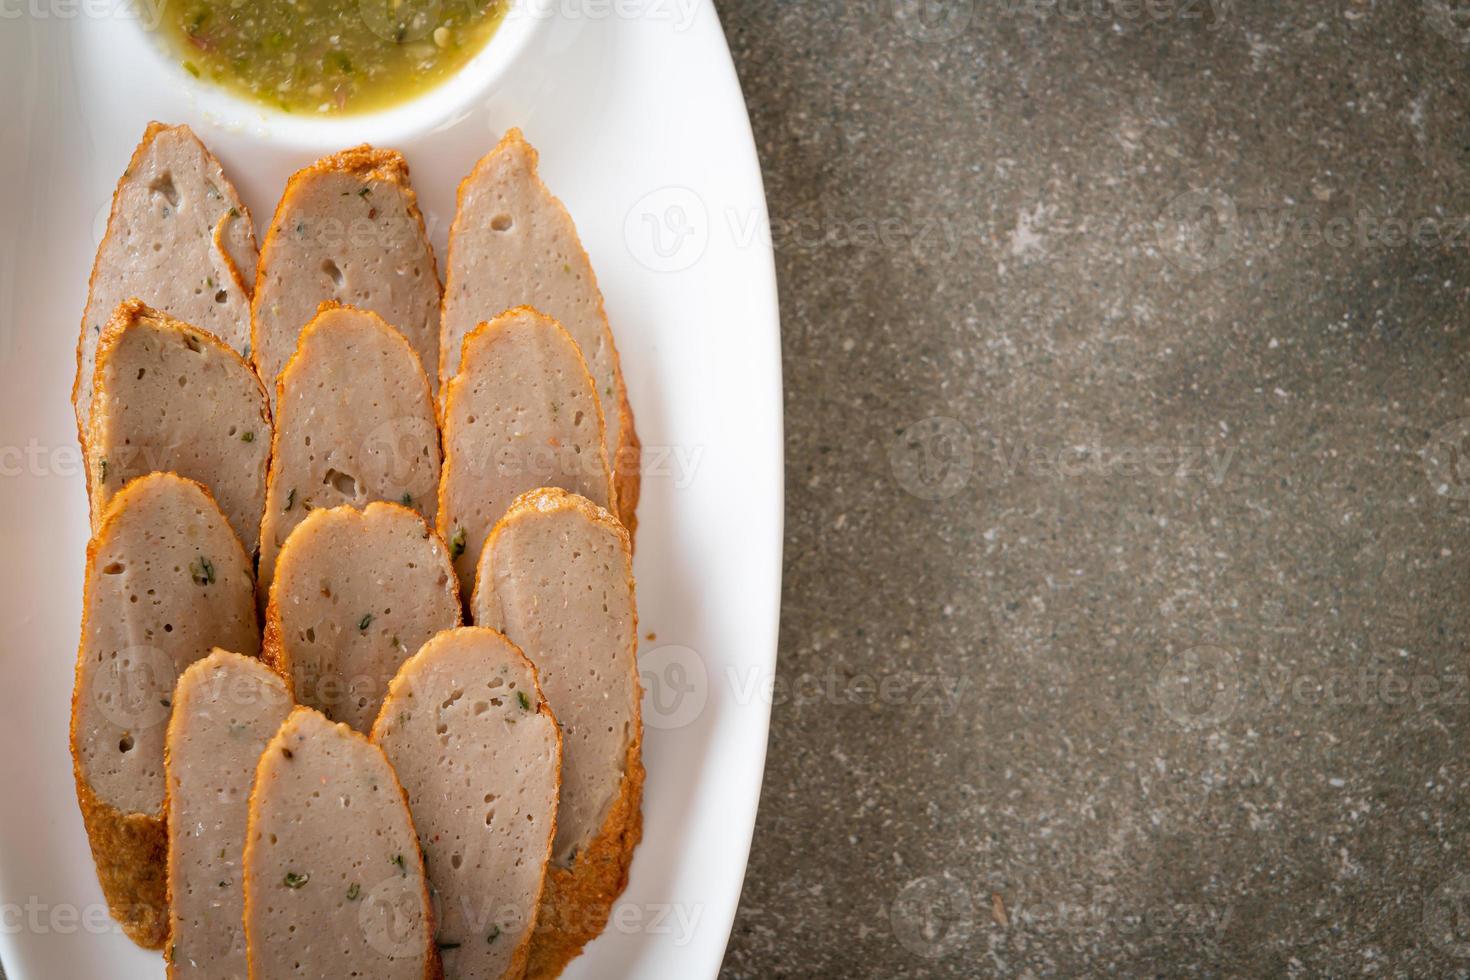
x: 432, y: 109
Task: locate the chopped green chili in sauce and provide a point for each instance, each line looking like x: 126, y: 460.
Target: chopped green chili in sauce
x: 329, y: 56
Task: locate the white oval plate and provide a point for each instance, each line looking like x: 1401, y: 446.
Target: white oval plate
x: 637, y: 112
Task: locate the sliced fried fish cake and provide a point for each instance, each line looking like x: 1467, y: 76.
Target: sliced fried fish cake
x: 334, y: 881
x: 226, y: 708
x: 179, y: 238
x: 356, y: 593
x: 520, y: 414
x: 556, y: 578
x: 170, y: 397
x: 348, y: 229
x: 514, y: 244
x: 478, y: 752
x: 355, y: 423
x: 166, y: 582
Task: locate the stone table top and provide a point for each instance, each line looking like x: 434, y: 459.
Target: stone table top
x: 1128, y: 523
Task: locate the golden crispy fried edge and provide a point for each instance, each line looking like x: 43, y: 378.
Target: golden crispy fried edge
x: 130, y: 850
x: 578, y: 900
x: 433, y: 966
x: 627, y: 455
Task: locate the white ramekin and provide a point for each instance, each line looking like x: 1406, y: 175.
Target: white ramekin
x: 430, y: 110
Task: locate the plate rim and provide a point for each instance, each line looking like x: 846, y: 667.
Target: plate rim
x: 766, y: 349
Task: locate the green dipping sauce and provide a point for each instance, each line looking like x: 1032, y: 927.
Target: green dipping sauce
x: 328, y: 57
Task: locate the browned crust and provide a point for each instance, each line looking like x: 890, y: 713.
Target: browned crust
x: 128, y: 313
x: 272, y: 646
x: 273, y: 471
x: 628, y: 467
x: 327, y: 306
x: 433, y: 966
x: 149, y: 135
x: 272, y: 650
x: 627, y: 455
x: 364, y: 162
x: 522, y: 952
x: 452, y: 388
x: 578, y: 900
x: 130, y: 850
x: 221, y: 228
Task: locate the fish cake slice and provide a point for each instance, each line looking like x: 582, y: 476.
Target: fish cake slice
x: 356, y: 593
x: 521, y: 413
x: 347, y: 228
x: 478, y: 752
x: 166, y: 582
x: 556, y: 578
x: 169, y: 397
x: 513, y: 244
x: 179, y: 238
x: 226, y: 708
x: 334, y: 880
x: 355, y: 423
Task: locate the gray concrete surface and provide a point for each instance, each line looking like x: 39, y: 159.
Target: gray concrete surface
x: 1124, y: 628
